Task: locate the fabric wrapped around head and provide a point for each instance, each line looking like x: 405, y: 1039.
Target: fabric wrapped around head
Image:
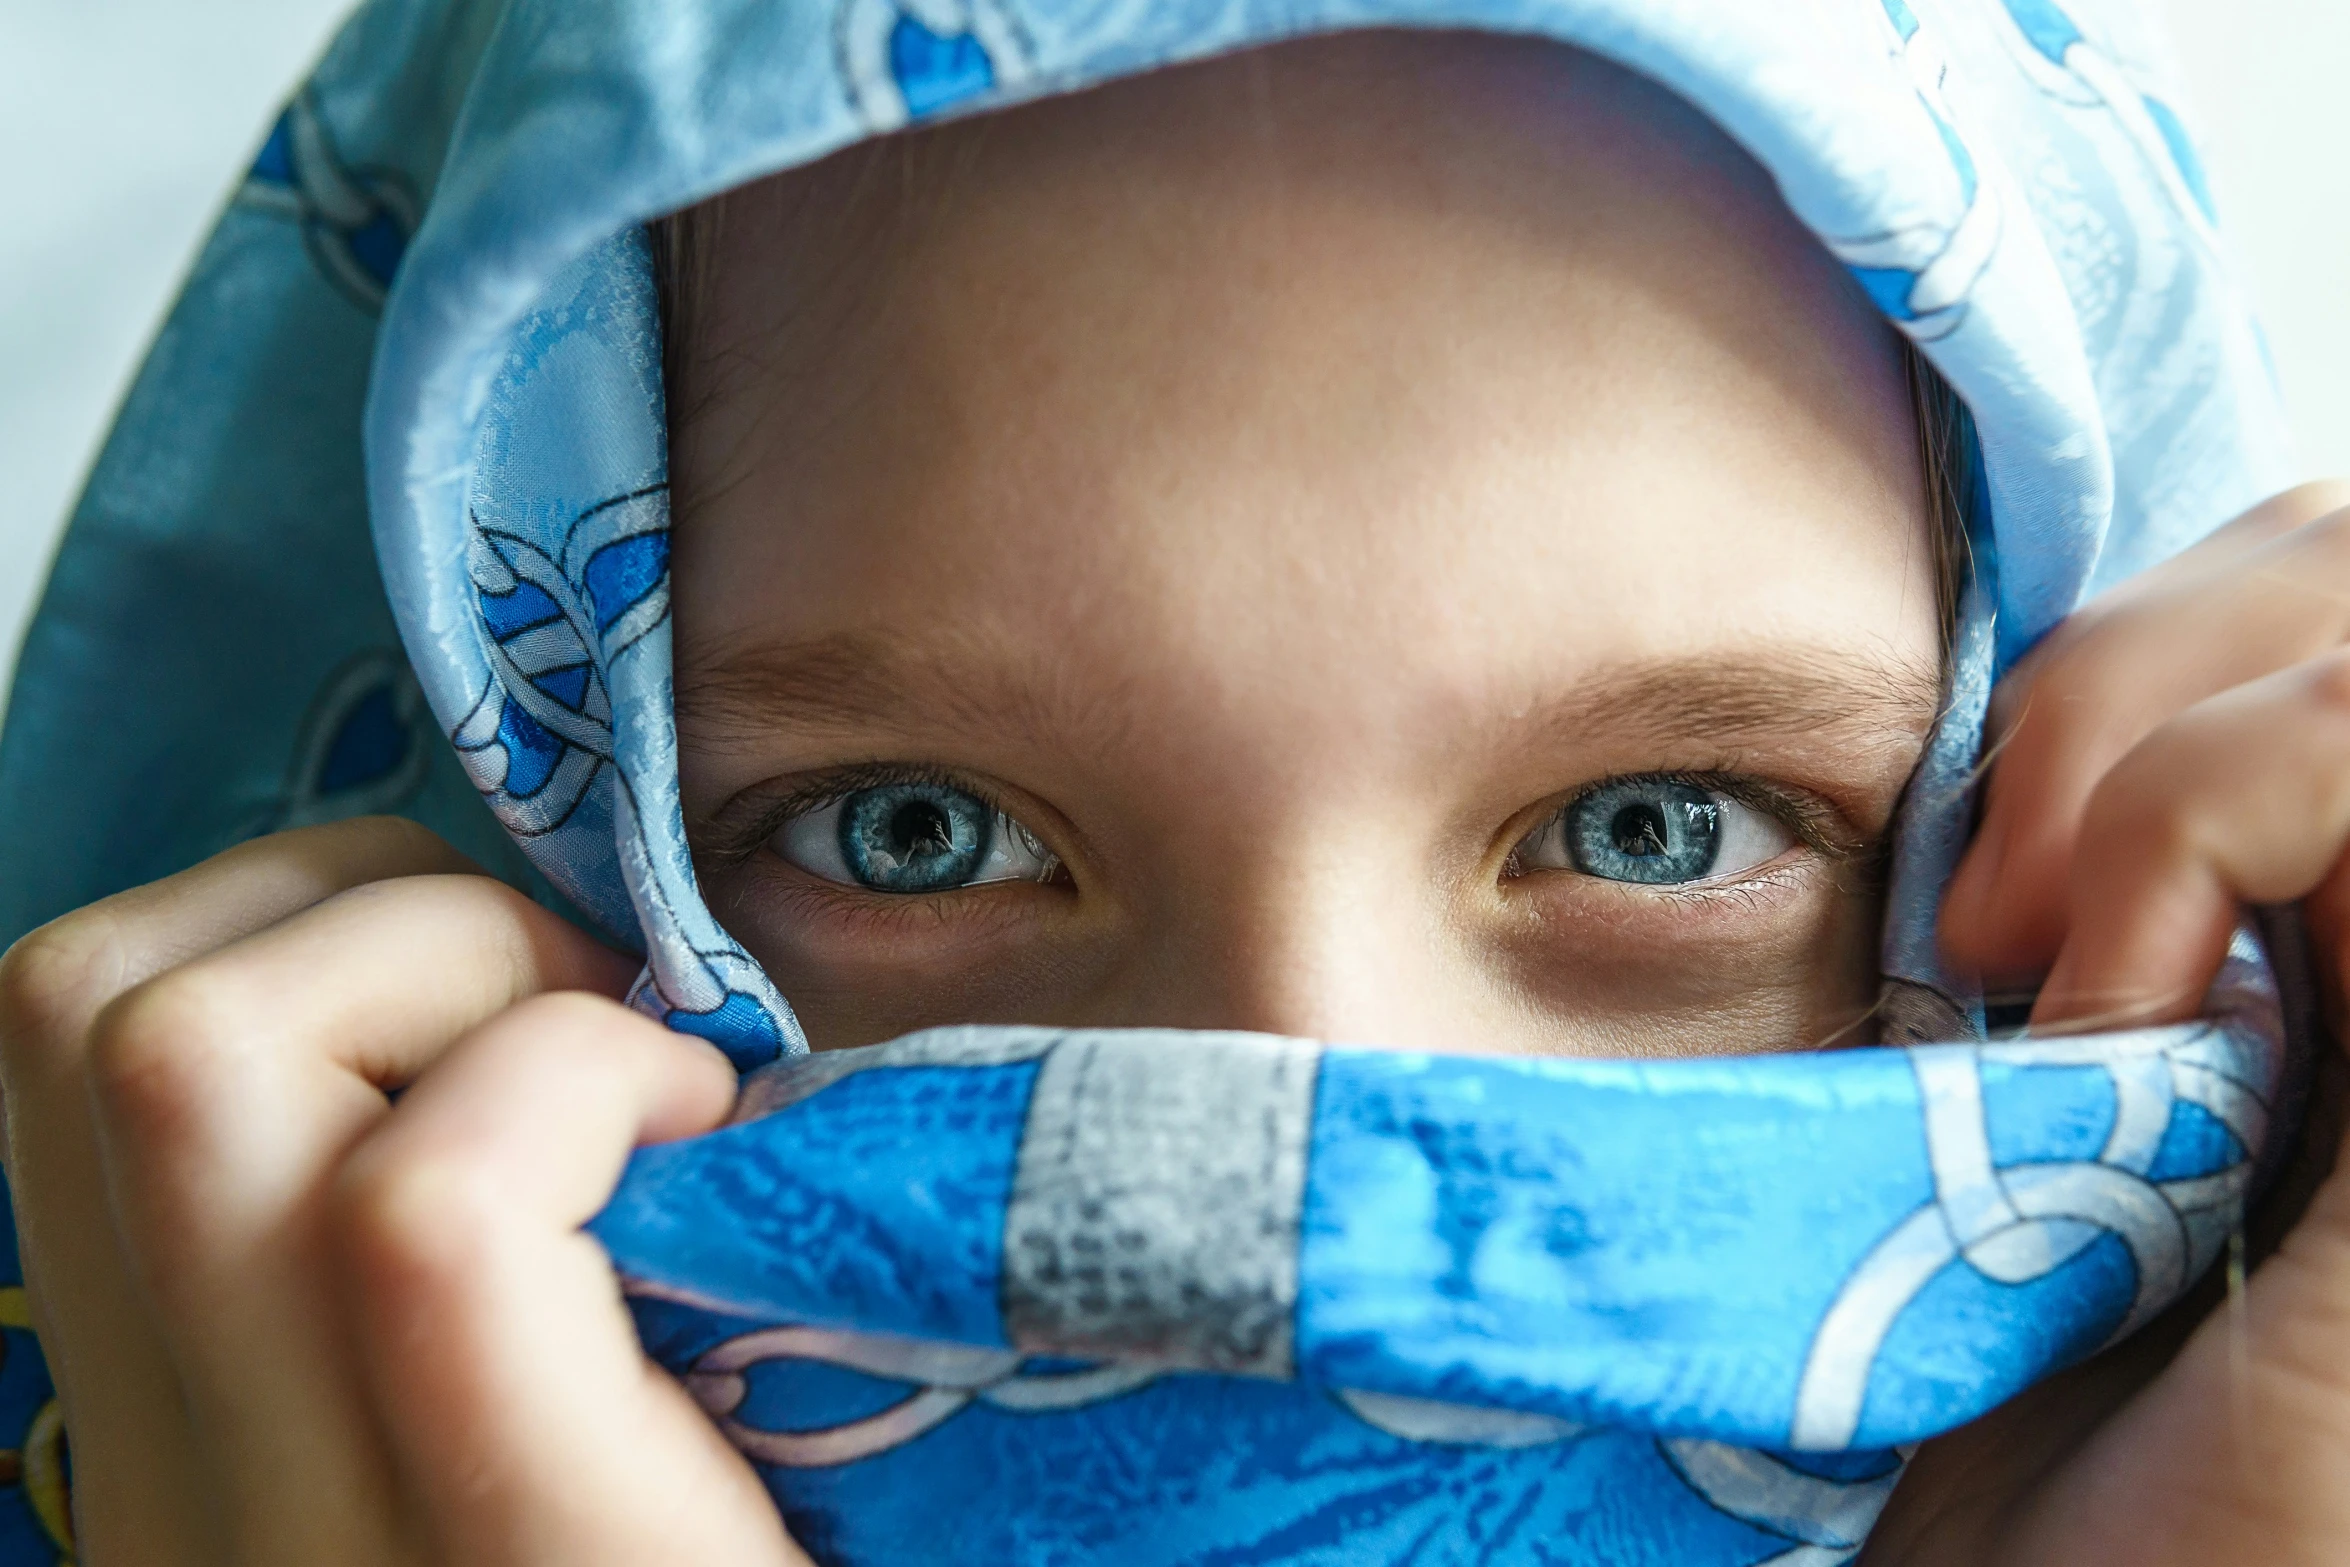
x: 1156, y: 1297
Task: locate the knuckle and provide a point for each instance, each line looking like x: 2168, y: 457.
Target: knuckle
x: 53, y: 980
x: 2325, y: 684
x: 154, y: 1048
x: 487, y: 898
x: 2326, y: 503
x: 402, y: 838
x: 479, y: 900
x: 407, y: 1221
x: 393, y: 840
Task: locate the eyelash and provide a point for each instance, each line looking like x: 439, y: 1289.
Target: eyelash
x: 1749, y: 890
x: 733, y: 846
x: 1816, y: 825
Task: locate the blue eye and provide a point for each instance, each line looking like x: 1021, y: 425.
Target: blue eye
x: 913, y: 837
x: 1656, y: 832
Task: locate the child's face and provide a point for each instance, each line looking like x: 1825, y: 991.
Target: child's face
x: 1283, y: 489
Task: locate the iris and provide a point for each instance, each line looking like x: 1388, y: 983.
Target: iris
x: 914, y: 837
x: 1653, y: 830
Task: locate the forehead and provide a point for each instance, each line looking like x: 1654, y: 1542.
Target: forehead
x: 1473, y: 343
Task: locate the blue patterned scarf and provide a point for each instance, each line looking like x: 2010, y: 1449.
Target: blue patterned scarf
x: 1141, y: 1297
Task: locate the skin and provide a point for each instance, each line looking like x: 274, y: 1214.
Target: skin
x: 294, y: 1322
x: 2171, y: 752
x: 1101, y: 458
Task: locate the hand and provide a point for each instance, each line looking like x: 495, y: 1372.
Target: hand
x: 2178, y: 749
x: 293, y: 1324
x: 2173, y: 750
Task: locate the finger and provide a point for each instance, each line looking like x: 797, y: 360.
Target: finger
x: 2244, y: 798
x: 2253, y: 600
x: 226, y: 1092
x: 226, y: 1088
x: 137, y: 1485
x: 63, y: 973
x: 2280, y: 514
x: 521, y: 1409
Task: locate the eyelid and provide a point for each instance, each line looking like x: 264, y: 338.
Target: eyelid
x: 811, y: 840
x: 753, y: 822
x: 731, y: 836
x: 1816, y: 824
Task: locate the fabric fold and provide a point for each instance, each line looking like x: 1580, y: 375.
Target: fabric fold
x: 1083, y: 1298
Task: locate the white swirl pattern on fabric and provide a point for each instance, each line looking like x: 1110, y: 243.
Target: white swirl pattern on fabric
x: 2005, y: 178
x: 2019, y: 1224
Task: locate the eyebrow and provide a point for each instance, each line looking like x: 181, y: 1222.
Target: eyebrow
x: 846, y: 684
x: 1786, y: 691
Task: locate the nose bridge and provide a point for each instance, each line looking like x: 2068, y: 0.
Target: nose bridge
x: 1328, y: 941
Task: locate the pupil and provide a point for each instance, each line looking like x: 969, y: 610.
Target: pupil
x: 921, y: 830
x: 1639, y: 831
x: 913, y: 837
x: 1657, y: 831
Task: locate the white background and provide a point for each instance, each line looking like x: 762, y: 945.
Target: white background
x: 122, y: 123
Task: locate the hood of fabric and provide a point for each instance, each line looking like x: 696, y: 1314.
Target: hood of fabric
x: 2008, y: 181
x: 1600, y: 1323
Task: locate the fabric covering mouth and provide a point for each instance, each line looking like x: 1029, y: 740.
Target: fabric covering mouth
x: 1688, y: 1312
